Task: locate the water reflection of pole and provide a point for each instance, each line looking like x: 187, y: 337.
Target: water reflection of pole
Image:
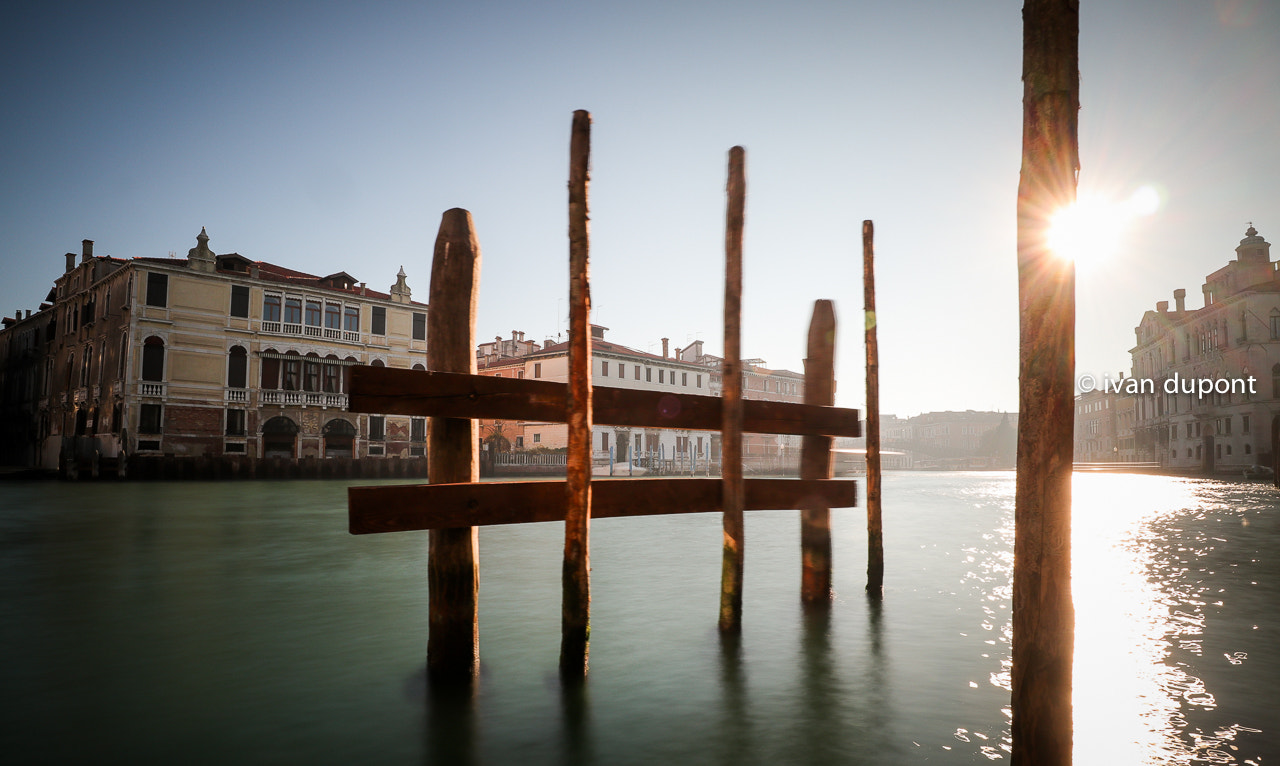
x: 451, y: 725
x: 1043, y: 617
x: 574, y: 714
x: 737, y: 730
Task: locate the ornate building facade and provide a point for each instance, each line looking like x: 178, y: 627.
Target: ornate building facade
x: 1207, y: 380
x: 204, y: 356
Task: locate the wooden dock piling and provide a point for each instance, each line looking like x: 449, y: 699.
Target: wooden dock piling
x: 875, y: 535
x: 575, y: 616
x: 731, y: 432
x: 815, y: 457
x: 1043, y: 615
x: 453, y: 574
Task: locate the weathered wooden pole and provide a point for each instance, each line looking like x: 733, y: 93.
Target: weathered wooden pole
x: 731, y: 432
x: 875, y: 535
x: 575, y: 610
x: 1043, y: 617
x: 453, y: 574
x: 815, y: 458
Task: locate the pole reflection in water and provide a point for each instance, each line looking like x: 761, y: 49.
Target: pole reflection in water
x: 240, y: 623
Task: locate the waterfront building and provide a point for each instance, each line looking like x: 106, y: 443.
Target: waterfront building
x: 205, y: 356
x: 1213, y: 399
x: 970, y: 439
x: 689, y: 371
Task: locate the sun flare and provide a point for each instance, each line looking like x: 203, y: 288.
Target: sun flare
x: 1090, y: 231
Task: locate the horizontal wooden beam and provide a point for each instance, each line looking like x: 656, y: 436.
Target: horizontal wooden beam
x: 406, y: 507
x: 388, y: 391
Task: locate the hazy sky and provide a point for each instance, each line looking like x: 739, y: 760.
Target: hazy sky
x: 330, y: 136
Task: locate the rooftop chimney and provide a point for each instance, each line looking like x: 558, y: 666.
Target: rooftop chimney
x: 1180, y: 299
x: 71, y: 261
x: 1162, y: 307
x: 664, y: 347
x: 86, y: 250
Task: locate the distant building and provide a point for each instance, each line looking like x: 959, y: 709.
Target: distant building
x: 969, y: 440
x: 1211, y: 376
x: 204, y: 356
x: 688, y: 371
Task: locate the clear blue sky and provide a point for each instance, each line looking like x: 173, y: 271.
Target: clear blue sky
x: 329, y: 136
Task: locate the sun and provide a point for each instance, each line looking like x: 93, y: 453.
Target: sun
x: 1090, y: 231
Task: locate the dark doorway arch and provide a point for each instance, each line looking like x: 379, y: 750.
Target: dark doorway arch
x: 339, y: 438
x: 279, y: 437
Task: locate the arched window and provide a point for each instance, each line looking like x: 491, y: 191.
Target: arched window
x: 1275, y: 381
x: 420, y: 367
x: 292, y: 371
x: 153, y: 359
x: 346, y: 372
x: 332, y: 372
x: 311, y: 372
x: 270, y: 370
x: 238, y: 368
x: 86, y: 366
x: 376, y: 363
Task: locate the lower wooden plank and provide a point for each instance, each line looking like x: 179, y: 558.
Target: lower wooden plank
x: 407, y: 507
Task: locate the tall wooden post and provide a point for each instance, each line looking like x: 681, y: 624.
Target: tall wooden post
x: 815, y: 458
x: 453, y: 574
x: 1043, y: 617
x: 731, y: 432
x: 575, y: 610
x: 875, y: 536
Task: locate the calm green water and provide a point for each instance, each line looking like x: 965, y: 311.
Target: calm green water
x: 240, y: 623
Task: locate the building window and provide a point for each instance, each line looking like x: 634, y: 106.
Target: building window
x: 699, y: 377
x: 149, y: 419
x: 293, y: 310
x: 153, y: 359
x: 1275, y: 324
x: 377, y: 428
x: 662, y: 376
x: 271, y: 308
x: 235, y: 423
x: 637, y: 371
x: 684, y: 378
x: 158, y: 289
x: 332, y: 316
x: 86, y: 366
x: 313, y: 313
x: 270, y: 371
x: 292, y: 372
x: 537, y: 438
x: 238, y: 368
x: 418, y: 429
x: 1248, y: 449
x: 379, y: 320
x: 604, y: 369
x: 1227, y: 423
x: 311, y: 373
x: 239, y: 301
x: 604, y: 441
x: 537, y: 369
x: 419, y: 326
x: 519, y: 373
x: 648, y: 375
x: 351, y: 319
x: 1244, y: 424
x: 622, y: 370
x: 332, y: 373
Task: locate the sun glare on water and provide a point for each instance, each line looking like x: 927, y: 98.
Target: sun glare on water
x: 1089, y: 232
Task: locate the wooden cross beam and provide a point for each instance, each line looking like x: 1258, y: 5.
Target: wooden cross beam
x: 442, y: 394
x: 408, y: 507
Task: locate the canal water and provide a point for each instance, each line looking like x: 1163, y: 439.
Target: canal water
x: 238, y: 622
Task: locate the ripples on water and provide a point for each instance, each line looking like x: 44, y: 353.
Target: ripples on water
x: 238, y: 622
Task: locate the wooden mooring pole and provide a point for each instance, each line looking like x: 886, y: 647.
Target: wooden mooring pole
x: 575, y: 610
x: 453, y: 574
x: 731, y: 432
x: 1043, y: 616
x: 875, y: 536
x: 815, y: 458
